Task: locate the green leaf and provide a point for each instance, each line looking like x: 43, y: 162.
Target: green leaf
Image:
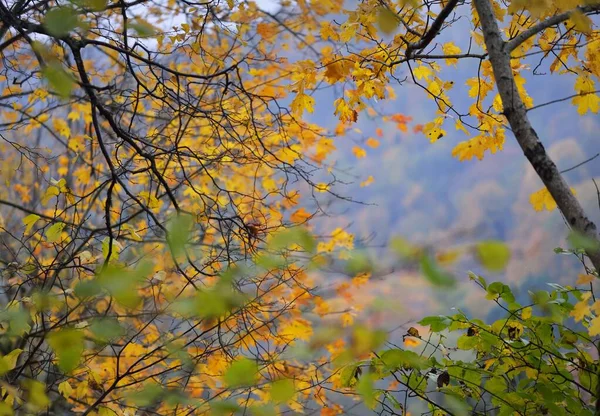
x: 500, y: 290
x: 242, y: 373
x: 6, y: 409
x: 404, y: 249
x: 59, y: 80
x: 397, y: 358
x: 106, y: 329
x: 17, y: 319
x: 367, y: 391
x: 68, y: 347
x: 123, y: 283
x: 349, y: 375
x: 480, y: 279
x: 493, y: 255
x: 496, y: 385
x: 458, y: 405
x: 436, y: 323
x: 434, y: 274
x: 581, y: 241
x: 397, y: 405
x: 288, y: 237
x: 223, y: 408
x: 87, y: 288
x: 465, y: 342
x: 114, y: 254
x: 59, y: 21
x: 54, y: 232
x: 268, y: 262
x: 143, y: 28
x: 148, y: 395
x: 282, y: 390
x: 95, y: 5
x: 359, y: 262
x: 178, y: 233
x: 263, y: 410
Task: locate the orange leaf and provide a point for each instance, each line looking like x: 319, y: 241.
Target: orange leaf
x: 300, y: 216
x: 373, y: 143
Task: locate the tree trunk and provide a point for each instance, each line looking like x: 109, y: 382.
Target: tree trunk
x: 516, y: 113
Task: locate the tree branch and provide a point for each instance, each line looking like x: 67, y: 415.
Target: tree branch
x: 525, y: 134
x: 433, y: 30
x: 545, y: 24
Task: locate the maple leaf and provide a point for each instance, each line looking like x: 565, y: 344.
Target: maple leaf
x: 542, y: 199
x: 335, y: 71
x: 587, y: 102
x: 298, y: 329
x: 581, y: 309
x: 450, y: 48
x: 422, y: 72
x: 302, y: 102
x: 300, y: 216
x: 583, y: 279
x: 594, y: 328
x: 344, y: 112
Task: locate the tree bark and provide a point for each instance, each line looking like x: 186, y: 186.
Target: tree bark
x: 525, y: 134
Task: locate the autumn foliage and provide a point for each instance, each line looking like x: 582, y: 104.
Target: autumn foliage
x: 164, y: 170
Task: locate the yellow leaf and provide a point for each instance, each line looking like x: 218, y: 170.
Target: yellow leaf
x: 65, y: 389
x: 583, y: 279
x: 489, y: 363
x: 298, y: 329
x: 526, y: 313
x: 422, y: 72
x: 542, y: 199
x: 359, y: 152
x: 321, y: 187
x: 302, y: 102
x: 451, y: 49
x: 594, y: 328
x: 51, y: 192
x: 411, y: 342
x: 28, y: 221
x: 367, y: 181
x: 448, y: 257
x: 10, y: 360
x: 587, y: 102
x: 434, y: 88
x: 266, y: 31
x: 347, y: 319
x: 581, y: 308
